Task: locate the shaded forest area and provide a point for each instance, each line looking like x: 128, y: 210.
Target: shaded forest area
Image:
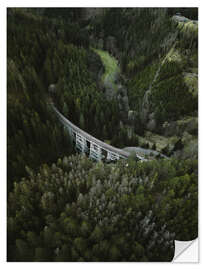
x: 62, y: 206
x: 142, y: 39
x: 77, y: 210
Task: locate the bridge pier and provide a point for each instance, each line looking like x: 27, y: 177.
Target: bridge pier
x: 112, y: 156
x: 95, y: 151
x: 71, y: 132
x: 81, y: 143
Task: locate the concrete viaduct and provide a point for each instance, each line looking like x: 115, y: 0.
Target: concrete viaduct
x: 85, y: 143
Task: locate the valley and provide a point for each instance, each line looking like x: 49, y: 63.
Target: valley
x: 87, y: 85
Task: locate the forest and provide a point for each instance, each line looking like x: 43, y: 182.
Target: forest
x: 129, y: 77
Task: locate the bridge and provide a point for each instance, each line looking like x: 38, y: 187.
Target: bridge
x: 85, y: 143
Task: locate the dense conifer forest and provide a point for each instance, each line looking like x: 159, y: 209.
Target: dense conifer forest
x: 129, y: 77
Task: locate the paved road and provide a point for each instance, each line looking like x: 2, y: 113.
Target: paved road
x: 143, y: 152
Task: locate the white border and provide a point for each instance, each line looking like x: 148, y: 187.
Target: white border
x: 102, y: 3
x: 87, y: 3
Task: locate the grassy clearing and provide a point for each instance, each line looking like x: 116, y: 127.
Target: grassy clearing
x: 111, y: 67
x: 189, y: 29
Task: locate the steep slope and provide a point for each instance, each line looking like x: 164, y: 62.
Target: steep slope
x: 158, y: 57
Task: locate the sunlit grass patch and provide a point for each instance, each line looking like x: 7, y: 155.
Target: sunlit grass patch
x: 111, y: 67
x: 189, y: 29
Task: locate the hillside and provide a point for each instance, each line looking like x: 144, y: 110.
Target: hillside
x: 128, y: 77
x: 159, y: 66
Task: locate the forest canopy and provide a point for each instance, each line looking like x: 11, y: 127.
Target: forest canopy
x: 78, y: 210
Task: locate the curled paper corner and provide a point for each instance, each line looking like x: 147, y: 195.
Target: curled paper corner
x: 186, y: 251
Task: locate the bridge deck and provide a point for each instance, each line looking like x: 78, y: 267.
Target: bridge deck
x: 90, y: 138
